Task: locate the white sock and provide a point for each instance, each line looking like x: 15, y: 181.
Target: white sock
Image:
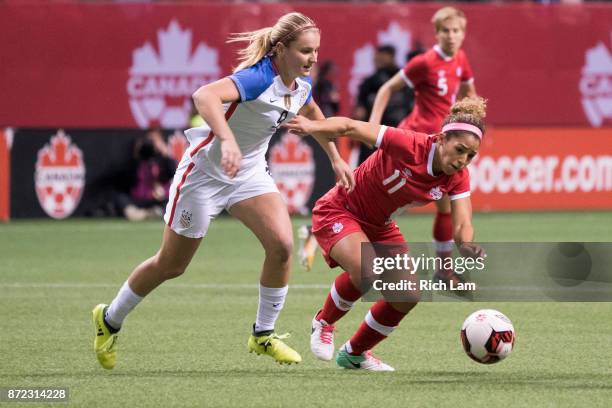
x: 271, y: 301
x: 444, y: 247
x: 125, y: 301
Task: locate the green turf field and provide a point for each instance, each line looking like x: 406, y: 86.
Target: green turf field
x: 185, y: 345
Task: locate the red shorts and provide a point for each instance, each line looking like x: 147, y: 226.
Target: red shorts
x: 332, y: 221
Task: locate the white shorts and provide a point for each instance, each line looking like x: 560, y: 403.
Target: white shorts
x: 196, y: 198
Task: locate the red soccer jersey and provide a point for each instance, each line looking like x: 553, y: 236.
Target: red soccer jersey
x: 435, y: 79
x: 399, y: 174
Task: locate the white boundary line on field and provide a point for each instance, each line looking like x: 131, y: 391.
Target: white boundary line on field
x: 75, y: 285
x: 298, y: 286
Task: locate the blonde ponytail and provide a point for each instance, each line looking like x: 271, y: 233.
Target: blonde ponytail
x: 260, y: 44
x: 263, y: 41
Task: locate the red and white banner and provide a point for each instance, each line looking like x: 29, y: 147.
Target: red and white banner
x: 292, y: 166
x: 6, y: 138
x: 60, y: 176
x: 59, y: 173
x: 134, y: 65
x: 543, y: 169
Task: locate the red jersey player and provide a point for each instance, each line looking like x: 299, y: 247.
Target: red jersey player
x: 408, y: 169
x: 438, y: 77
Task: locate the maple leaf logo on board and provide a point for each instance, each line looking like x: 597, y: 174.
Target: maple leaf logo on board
x: 596, y: 85
x: 161, y: 83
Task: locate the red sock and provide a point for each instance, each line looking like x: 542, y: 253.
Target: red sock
x: 384, y: 318
x: 348, y: 293
x: 443, y: 227
x: 443, y: 233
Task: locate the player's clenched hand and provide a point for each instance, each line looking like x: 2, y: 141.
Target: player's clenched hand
x: 472, y: 250
x: 344, y: 175
x: 299, y: 125
x: 230, y: 157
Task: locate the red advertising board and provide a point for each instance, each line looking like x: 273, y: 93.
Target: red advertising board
x: 59, y: 172
x: 551, y: 168
x: 5, y: 175
x: 519, y: 169
x: 131, y: 65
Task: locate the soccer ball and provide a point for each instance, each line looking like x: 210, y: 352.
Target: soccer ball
x: 487, y: 336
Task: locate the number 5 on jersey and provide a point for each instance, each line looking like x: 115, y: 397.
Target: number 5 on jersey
x: 442, y: 83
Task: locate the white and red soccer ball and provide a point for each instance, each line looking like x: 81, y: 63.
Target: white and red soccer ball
x: 487, y: 336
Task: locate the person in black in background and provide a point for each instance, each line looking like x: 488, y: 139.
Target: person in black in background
x: 324, y: 90
x: 400, y: 103
x: 149, y: 180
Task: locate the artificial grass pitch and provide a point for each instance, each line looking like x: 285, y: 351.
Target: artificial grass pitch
x: 185, y: 345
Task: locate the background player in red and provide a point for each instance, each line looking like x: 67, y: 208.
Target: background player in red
x: 408, y: 169
x: 438, y: 77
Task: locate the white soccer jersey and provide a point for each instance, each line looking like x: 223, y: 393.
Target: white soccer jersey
x: 265, y: 103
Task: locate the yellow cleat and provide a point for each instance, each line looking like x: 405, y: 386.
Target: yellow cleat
x: 272, y: 345
x: 105, y: 342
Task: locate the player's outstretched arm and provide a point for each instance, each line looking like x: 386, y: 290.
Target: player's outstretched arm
x: 331, y: 128
x: 382, y: 97
x: 344, y: 174
x: 463, y: 230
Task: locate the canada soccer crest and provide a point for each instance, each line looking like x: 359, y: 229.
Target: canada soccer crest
x: 161, y: 83
x: 59, y: 176
x: 436, y: 193
x: 293, y: 168
x: 596, y: 84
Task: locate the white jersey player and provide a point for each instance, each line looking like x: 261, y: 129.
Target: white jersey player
x: 224, y: 168
x: 265, y: 103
